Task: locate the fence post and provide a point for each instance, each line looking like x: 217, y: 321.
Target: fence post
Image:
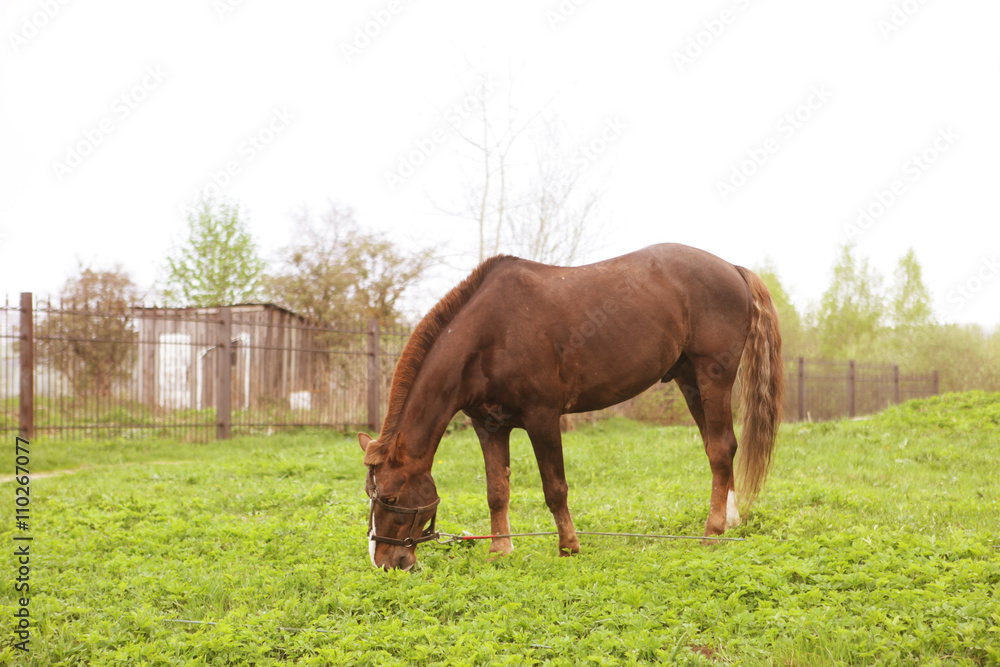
x: 936, y: 386
x: 223, y: 375
x: 895, y: 384
x: 802, y: 389
x: 374, y: 376
x: 27, y: 398
x: 851, y: 387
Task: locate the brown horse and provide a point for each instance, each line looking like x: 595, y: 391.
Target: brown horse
x: 518, y: 344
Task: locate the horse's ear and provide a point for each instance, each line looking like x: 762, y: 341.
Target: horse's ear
x: 377, y: 452
x: 374, y: 450
x: 398, y: 450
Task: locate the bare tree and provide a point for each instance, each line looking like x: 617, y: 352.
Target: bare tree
x: 533, y: 203
x: 553, y: 222
x: 487, y: 197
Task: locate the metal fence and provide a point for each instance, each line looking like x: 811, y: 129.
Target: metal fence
x: 824, y: 390
x: 815, y: 390
x: 192, y: 374
x: 203, y: 373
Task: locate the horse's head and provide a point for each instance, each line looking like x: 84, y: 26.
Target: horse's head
x: 403, y: 501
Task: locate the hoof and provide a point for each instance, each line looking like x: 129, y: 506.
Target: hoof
x: 569, y: 551
x: 713, y: 530
x: 715, y: 527
x: 501, y: 548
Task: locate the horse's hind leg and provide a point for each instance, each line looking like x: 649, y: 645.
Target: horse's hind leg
x: 495, y: 442
x: 546, y: 440
x: 707, y: 388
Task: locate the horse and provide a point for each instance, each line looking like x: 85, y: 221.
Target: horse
x: 517, y: 344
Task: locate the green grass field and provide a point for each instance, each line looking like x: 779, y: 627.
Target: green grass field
x: 890, y: 529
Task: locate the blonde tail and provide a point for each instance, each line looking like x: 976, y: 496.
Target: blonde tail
x: 762, y: 383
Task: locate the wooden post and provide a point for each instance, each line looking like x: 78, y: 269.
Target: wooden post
x: 223, y: 374
x: 895, y: 384
x: 147, y: 357
x: 851, y: 389
x: 374, y: 376
x: 27, y: 400
x: 936, y: 385
x: 802, y: 389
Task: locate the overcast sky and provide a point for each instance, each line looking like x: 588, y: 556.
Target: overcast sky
x: 756, y: 130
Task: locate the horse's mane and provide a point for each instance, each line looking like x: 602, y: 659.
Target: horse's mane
x: 416, y: 349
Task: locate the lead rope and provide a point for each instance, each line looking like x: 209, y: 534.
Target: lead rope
x: 448, y: 538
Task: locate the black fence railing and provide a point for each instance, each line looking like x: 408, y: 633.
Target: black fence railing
x: 824, y: 390
x: 189, y: 373
x: 814, y: 391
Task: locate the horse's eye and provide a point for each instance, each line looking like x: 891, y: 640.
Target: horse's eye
x: 389, y: 501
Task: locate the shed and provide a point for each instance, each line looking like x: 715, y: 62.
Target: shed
x: 279, y: 358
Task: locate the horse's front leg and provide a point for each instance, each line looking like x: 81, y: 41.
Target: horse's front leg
x: 546, y: 440
x: 495, y: 442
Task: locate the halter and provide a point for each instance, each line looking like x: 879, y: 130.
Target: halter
x: 411, y: 540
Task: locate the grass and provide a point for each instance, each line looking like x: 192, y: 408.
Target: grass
x: 891, y: 554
